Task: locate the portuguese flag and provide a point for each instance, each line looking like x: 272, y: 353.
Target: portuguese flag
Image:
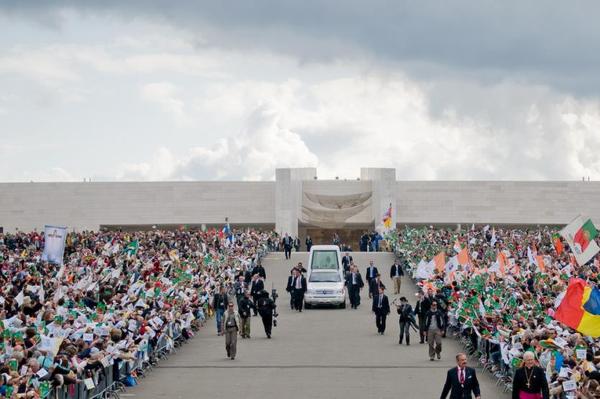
x: 585, y: 234
x: 558, y: 245
x: 581, y: 234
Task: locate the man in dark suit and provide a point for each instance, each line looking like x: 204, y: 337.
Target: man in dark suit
x: 299, y: 288
x: 354, y: 282
x: 257, y: 286
x: 396, y: 274
x: 421, y: 310
x: 371, y: 272
x: 346, y: 260
x: 381, y: 308
x: 287, y: 242
x: 461, y: 381
x: 375, y: 285
x: 308, y: 243
x: 290, y: 286
x: 258, y: 269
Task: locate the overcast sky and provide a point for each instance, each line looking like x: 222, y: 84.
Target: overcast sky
x: 194, y: 90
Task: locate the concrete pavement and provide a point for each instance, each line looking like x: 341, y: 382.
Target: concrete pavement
x: 319, y: 353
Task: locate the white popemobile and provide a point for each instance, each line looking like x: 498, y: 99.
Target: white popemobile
x: 325, y: 277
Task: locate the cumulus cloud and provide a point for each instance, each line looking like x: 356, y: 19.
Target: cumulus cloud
x: 344, y: 124
x: 253, y: 154
x: 200, y: 93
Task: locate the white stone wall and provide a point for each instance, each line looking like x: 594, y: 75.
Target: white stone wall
x: 88, y: 205
x: 500, y: 202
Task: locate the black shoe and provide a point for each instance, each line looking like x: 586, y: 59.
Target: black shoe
x: 431, y: 359
x: 400, y: 342
x: 269, y: 336
x: 439, y: 356
x: 407, y: 344
x: 422, y: 342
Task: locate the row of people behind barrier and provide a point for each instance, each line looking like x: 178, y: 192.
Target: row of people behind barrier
x: 117, y: 295
x: 501, y: 304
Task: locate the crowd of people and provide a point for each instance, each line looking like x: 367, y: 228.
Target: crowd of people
x: 502, y: 301
x: 115, y: 297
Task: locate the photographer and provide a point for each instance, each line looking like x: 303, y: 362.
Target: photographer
x: 266, y: 309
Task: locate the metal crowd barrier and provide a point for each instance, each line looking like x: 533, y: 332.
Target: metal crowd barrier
x: 478, y: 348
x: 109, y: 381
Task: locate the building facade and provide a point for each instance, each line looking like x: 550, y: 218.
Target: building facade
x: 296, y: 203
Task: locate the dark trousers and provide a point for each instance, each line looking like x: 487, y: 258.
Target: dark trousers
x: 422, y: 331
x: 288, y: 251
x: 405, y: 331
x: 255, y: 300
x: 267, y: 320
x: 354, y: 293
x: 298, y: 299
x: 380, y: 321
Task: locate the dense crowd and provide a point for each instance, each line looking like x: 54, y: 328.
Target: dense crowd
x: 504, y: 298
x: 114, y: 297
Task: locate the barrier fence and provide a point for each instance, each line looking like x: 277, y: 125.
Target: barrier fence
x: 116, y: 374
x: 485, y: 351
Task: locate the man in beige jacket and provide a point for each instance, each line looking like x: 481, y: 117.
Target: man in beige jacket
x: 231, y: 325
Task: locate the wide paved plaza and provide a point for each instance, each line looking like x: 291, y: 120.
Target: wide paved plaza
x: 319, y: 353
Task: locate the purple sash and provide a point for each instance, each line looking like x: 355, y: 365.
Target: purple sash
x: 527, y: 395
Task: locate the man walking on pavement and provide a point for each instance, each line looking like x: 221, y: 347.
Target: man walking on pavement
x: 299, y: 288
x: 245, y: 308
x: 434, y: 325
x: 257, y: 286
x: 266, y: 308
x: 231, y: 326
x: 396, y: 274
x: 354, y: 282
x: 288, y: 242
x: 381, y: 308
x: 406, y: 320
x: 371, y: 274
x: 461, y: 381
x: 421, y: 309
x: 219, y: 304
x: 375, y: 285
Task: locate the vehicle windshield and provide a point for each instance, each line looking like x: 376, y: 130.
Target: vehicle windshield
x: 325, y: 277
x: 324, y: 260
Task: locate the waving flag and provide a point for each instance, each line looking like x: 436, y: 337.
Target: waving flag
x: 580, y: 235
x: 558, y: 245
x: 580, y: 308
x: 387, y: 218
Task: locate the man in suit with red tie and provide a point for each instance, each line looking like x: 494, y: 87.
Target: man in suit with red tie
x: 381, y: 308
x: 298, y: 289
x: 461, y: 381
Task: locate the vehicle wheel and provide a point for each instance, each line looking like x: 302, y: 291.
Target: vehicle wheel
x: 307, y: 305
x: 343, y: 305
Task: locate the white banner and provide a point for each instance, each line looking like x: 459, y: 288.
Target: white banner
x: 54, y: 245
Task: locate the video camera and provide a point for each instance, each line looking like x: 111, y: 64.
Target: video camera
x: 274, y: 296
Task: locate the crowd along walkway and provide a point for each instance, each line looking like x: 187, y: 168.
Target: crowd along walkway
x: 319, y: 353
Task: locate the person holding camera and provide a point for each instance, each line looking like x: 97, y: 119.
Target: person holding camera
x: 266, y: 309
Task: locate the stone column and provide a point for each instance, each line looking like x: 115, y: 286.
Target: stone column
x: 288, y: 197
x: 383, y: 184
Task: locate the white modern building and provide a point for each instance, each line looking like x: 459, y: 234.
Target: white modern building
x: 297, y: 202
